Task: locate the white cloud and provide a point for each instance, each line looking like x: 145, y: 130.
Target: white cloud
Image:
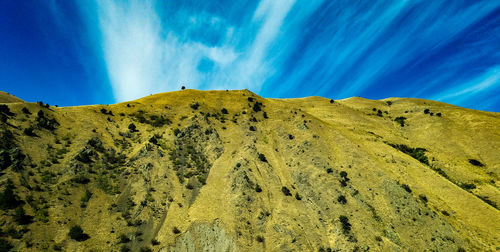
x: 145, y: 54
x: 469, y: 89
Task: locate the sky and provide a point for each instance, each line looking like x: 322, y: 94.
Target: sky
x: 103, y: 51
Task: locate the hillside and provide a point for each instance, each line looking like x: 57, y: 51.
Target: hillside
x: 232, y: 171
x: 8, y: 98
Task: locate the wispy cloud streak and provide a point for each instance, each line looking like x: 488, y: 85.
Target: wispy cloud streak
x: 286, y: 48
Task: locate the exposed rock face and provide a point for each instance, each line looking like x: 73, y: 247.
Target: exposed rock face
x: 231, y: 171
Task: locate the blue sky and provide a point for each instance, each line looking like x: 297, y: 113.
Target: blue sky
x: 103, y: 51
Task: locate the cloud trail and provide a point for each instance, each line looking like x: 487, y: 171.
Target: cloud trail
x: 290, y: 48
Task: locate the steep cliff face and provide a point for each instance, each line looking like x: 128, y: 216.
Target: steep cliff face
x: 232, y: 171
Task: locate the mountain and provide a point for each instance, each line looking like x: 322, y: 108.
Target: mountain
x: 231, y: 171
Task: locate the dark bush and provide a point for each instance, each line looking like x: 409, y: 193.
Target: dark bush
x: 195, y: 105
x: 406, y: 187
x: 423, y: 198
x: 379, y: 113
x: 426, y: 111
x: 291, y: 137
x: 286, y: 191
x: 8, y: 199
x: 341, y: 199
x: 260, y: 238
x: 26, y: 111
x: 5, y: 245
x: 104, y: 111
x: 45, y: 122
x: 4, y: 109
x: 389, y: 103
x: 175, y: 230
x: 416, y: 153
x: 475, y: 163
x: 29, y: 131
x: 343, y: 174
x: 346, y: 226
x: 20, y: 216
x: 265, y: 115
x: 329, y: 170
x: 400, y: 120
x: 132, y: 127
x: 467, y: 186
x: 297, y: 196
x: 262, y: 157
x: 176, y: 131
x: 224, y: 111
x: 183, y: 87
x: 438, y: 114
x: 76, y: 233
x: 252, y: 128
x: 155, y: 242
x: 250, y: 99
x: 123, y: 238
x: 332, y: 101
x: 257, y: 106
x: 145, y: 249
x: 258, y: 188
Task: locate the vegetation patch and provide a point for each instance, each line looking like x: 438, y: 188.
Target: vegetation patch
x: 475, y: 162
x: 416, y: 153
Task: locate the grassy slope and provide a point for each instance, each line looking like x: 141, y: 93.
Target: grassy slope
x: 228, y: 212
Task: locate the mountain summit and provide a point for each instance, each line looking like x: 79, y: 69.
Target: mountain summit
x: 231, y: 171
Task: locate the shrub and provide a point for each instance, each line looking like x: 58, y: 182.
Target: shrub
x: 438, y: 114
x: 123, y: 238
x: 5, y: 245
x: 400, y: 120
x: 252, y: 128
x: 416, y: 153
x: 475, y: 163
x: 332, y: 101
x: 291, y: 137
x: 195, y: 105
x: 389, y: 103
x: 426, y: 111
x: 175, y: 230
x: 406, y: 187
x: 29, y: 131
x: 20, y: 216
x: 8, y: 199
x: 343, y: 174
x: 26, y: 111
x: 183, y: 87
x: 379, y: 113
x: 224, y: 111
x: 176, y: 131
x: 155, y: 242
x: 265, y: 115
x: 76, y: 233
x: 132, y: 127
x: 346, y: 226
x: 423, y: 198
x: 257, y: 106
x: 341, y: 199
x: 250, y: 99
x: 258, y: 188
x: 467, y: 186
x: 262, y: 157
x: 297, y: 196
x: 260, y: 238
x: 4, y: 109
x: 286, y: 191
